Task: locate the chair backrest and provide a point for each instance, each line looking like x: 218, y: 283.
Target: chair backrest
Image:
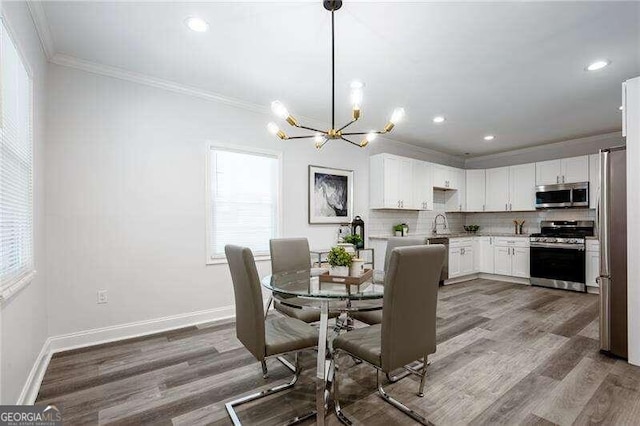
x: 289, y: 254
x: 394, y: 242
x: 410, y: 302
x: 249, y: 305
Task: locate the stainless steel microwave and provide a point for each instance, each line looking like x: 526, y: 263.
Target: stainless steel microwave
x: 562, y: 196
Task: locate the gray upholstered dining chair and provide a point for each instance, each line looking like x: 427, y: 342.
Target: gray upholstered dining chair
x: 375, y: 317
x: 408, y: 329
x: 291, y: 254
x: 262, y: 338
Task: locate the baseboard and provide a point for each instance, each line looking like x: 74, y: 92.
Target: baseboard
x: 593, y: 290
x: 504, y: 278
x: 98, y: 336
x: 34, y: 380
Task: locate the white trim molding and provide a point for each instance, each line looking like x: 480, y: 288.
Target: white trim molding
x: 39, y: 18
x: 34, y: 380
x: 10, y: 291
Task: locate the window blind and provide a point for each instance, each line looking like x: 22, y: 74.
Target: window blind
x: 243, y: 197
x: 16, y: 167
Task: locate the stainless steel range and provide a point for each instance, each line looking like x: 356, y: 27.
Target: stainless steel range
x: 558, y: 254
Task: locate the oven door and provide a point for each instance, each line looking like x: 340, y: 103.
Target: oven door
x: 553, y: 196
x: 558, y: 262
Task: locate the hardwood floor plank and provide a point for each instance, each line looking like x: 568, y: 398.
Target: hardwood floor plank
x: 507, y: 354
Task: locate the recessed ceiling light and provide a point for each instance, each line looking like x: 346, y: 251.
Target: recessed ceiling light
x: 489, y: 138
x: 196, y: 24
x: 438, y: 119
x: 598, y: 65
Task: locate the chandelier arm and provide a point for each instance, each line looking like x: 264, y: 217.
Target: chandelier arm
x: 333, y: 74
x: 300, y: 137
x: 379, y: 132
x: 311, y: 128
x: 351, y: 142
x: 346, y: 125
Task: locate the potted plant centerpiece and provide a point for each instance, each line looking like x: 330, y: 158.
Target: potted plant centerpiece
x: 339, y: 262
x: 354, y: 239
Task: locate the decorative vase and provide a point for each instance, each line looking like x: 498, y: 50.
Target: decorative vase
x: 398, y: 233
x: 357, y: 268
x: 339, y: 271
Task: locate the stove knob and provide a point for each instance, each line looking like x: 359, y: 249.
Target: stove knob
x: 572, y: 241
x: 552, y: 240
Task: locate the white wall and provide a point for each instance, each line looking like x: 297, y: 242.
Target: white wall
x: 23, y: 321
x: 564, y: 149
x: 126, y: 197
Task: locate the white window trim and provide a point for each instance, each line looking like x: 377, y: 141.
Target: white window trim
x: 221, y: 259
x: 8, y: 291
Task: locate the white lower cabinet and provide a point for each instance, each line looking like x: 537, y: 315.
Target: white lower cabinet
x: 511, y: 257
x: 489, y: 255
x: 485, y: 255
x: 592, y: 263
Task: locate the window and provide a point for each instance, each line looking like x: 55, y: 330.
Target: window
x: 16, y: 169
x: 243, y: 200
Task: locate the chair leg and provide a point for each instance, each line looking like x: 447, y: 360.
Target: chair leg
x: 408, y: 370
x: 266, y: 310
x: 400, y: 406
x: 336, y: 395
x: 265, y: 372
x: 424, y: 375
x: 234, y: 416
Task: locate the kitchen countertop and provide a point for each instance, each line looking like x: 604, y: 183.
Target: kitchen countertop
x: 454, y: 235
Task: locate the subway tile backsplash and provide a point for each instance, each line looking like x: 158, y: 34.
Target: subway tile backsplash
x: 381, y: 222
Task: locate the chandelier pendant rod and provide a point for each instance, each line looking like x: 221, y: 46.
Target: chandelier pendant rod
x: 333, y: 72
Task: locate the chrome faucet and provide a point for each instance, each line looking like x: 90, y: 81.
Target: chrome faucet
x: 435, y: 223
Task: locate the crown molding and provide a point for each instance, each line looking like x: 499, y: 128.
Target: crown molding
x: 159, y: 83
x: 39, y: 18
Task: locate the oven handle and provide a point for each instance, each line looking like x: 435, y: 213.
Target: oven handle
x: 579, y: 247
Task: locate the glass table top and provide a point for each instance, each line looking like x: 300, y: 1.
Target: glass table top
x: 303, y: 284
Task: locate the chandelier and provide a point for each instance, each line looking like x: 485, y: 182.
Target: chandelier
x: 321, y: 137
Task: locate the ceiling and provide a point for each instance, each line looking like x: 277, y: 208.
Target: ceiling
x: 512, y: 69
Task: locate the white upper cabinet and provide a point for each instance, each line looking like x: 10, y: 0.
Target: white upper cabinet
x: 422, y: 185
x: 594, y: 180
x: 522, y: 187
x: 575, y: 169
x: 497, y: 189
x: 566, y: 170
x: 475, y: 190
x: 445, y: 177
x: 549, y: 172
x: 390, y: 182
x: 455, y: 200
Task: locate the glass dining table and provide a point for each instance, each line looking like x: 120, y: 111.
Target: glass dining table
x: 304, y: 289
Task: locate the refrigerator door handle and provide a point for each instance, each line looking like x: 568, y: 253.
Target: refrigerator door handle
x: 605, y: 314
x: 604, y: 215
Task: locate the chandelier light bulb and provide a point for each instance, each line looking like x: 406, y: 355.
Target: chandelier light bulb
x: 279, y: 109
x: 318, y: 138
x: 397, y: 116
x: 356, y: 98
x: 273, y: 128
x: 370, y: 137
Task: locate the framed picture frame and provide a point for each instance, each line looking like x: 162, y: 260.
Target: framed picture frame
x: 330, y: 195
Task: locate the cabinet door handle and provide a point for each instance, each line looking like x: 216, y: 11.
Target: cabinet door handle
x: 398, y: 203
x: 557, y: 179
x: 510, y: 207
x: 483, y: 207
x: 402, y: 203
x: 506, y: 207
x: 563, y: 179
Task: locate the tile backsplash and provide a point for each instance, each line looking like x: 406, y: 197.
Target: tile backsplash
x: 503, y: 222
x: 381, y: 222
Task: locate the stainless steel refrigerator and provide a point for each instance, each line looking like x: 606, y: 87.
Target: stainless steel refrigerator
x: 612, y: 219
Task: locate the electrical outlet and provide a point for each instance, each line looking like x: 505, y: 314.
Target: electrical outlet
x: 102, y: 297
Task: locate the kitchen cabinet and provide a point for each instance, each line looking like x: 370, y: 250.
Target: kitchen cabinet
x: 485, y: 255
x: 445, y: 177
x: 497, y: 189
x: 566, y: 170
x: 391, y: 182
x: 594, y: 180
x: 422, y: 197
x: 522, y: 187
x: 455, y: 200
x: 510, y: 188
x: 511, y: 257
x: 461, y: 257
x: 592, y: 263
x: 475, y: 185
